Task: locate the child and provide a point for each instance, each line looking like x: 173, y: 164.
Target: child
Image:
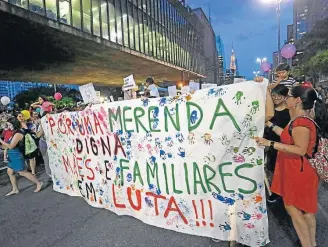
x: 7, y: 134
x: 283, y: 77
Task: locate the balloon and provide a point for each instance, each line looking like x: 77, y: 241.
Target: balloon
x: 265, y: 67
x: 38, y: 110
x: 58, y: 96
x: 5, y: 100
x: 46, y: 107
x: 26, y: 114
x: 288, y: 51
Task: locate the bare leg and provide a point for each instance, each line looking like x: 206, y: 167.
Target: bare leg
x: 312, y: 224
x: 13, y: 182
x: 5, y: 155
x: 30, y: 177
x: 33, y: 165
x: 300, y: 226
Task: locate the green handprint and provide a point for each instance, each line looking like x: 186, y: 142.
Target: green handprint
x: 238, y: 97
x: 255, y: 106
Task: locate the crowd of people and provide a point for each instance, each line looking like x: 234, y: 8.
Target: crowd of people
x: 295, y: 113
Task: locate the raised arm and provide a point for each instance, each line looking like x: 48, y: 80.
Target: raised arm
x: 269, y: 106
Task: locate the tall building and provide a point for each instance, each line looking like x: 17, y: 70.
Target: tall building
x: 11, y: 89
x: 306, y: 14
x: 221, y: 58
x: 233, y: 65
x: 301, y: 15
x: 209, y: 48
x: 290, y: 34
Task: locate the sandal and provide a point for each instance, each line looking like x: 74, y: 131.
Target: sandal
x: 13, y: 192
x: 41, y: 187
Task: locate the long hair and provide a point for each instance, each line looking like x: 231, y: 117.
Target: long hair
x: 15, y: 123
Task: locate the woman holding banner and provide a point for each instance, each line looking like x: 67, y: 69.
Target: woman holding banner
x: 294, y: 178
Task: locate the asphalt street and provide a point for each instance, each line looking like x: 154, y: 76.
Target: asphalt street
x: 51, y: 219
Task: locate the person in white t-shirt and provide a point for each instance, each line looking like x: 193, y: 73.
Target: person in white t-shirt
x: 151, y: 90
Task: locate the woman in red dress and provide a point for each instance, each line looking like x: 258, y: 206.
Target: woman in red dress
x: 295, y: 180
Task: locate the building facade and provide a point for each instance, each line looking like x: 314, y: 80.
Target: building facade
x: 306, y: 14
x: 301, y: 14
x: 210, y: 49
x: 290, y: 34
x: 221, y: 59
x: 162, y: 29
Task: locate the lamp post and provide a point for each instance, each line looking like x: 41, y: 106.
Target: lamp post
x: 278, y: 10
x: 256, y: 73
x: 261, y: 60
x: 279, y: 28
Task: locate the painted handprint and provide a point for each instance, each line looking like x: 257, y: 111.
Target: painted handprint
x: 193, y: 117
x: 247, y: 120
x: 249, y: 151
x: 207, y: 138
x: 238, y: 97
x: 191, y: 138
x: 224, y: 140
x: 238, y: 158
x: 255, y: 107
x: 244, y: 215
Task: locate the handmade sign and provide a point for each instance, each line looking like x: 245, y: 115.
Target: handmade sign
x: 129, y: 83
x: 172, y: 91
x: 89, y: 94
x: 208, y: 85
x: 185, y: 163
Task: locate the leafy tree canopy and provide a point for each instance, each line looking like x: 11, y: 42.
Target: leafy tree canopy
x: 26, y: 98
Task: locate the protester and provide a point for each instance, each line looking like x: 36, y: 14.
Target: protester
x: 24, y: 127
x: 43, y: 104
x: 16, y: 159
x: 151, y: 90
x: 281, y: 119
x: 283, y: 77
x: 44, y: 150
x: 294, y: 178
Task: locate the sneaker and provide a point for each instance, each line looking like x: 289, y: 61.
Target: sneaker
x: 273, y: 198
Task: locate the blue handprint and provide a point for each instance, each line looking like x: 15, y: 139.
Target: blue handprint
x: 129, y: 177
x: 193, y: 117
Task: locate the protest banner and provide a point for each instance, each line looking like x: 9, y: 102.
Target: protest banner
x: 185, y: 163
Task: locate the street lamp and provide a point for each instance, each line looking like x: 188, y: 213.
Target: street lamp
x: 256, y: 73
x: 278, y: 9
x: 261, y: 60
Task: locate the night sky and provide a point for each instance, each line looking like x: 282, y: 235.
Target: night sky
x: 250, y: 25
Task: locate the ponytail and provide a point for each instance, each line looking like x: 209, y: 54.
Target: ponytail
x: 321, y: 117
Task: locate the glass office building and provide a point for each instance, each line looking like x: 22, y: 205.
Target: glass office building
x: 156, y: 28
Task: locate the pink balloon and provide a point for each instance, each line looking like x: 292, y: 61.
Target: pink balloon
x: 288, y: 51
x: 47, y: 107
x: 265, y: 67
x: 58, y: 96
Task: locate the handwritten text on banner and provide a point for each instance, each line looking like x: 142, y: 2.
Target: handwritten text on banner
x: 186, y: 163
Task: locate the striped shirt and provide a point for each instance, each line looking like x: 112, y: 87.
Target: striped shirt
x: 290, y: 82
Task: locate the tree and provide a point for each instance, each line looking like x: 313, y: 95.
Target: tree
x: 26, y: 98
